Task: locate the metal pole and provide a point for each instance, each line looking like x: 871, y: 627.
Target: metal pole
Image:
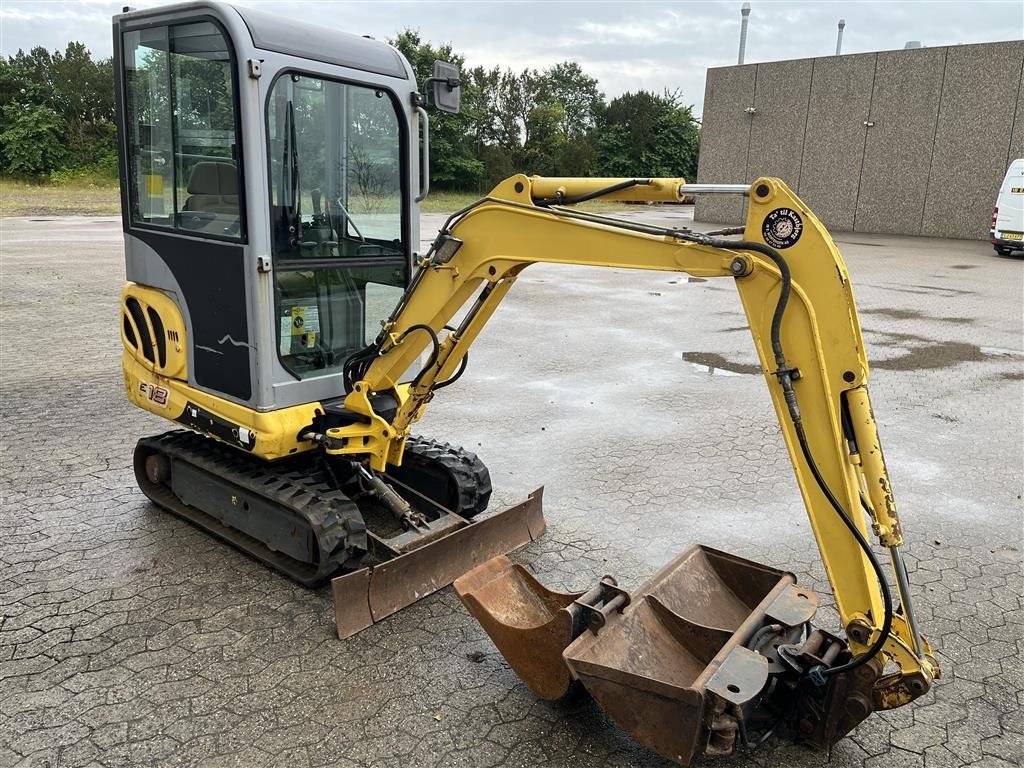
x: 903, y: 587
x: 714, y: 189
x: 839, y: 37
x: 745, y: 11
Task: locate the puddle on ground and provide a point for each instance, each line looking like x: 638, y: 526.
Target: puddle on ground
x: 939, y: 354
x: 714, y: 364
x: 1012, y: 375
x: 913, y: 314
x: 964, y: 266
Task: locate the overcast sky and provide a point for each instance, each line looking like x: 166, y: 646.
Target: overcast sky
x: 625, y: 45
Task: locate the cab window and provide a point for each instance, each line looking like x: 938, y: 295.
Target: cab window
x: 181, y: 129
x: 336, y: 212
x: 335, y: 170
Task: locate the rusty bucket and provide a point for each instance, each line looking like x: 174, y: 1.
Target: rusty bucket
x: 676, y: 663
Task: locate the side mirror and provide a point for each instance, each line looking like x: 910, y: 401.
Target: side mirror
x: 446, y: 87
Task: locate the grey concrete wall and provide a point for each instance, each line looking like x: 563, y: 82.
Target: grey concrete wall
x: 725, y: 156
x: 829, y: 177
x: 976, y: 115
x: 1017, y: 137
x: 944, y: 124
x: 904, y: 110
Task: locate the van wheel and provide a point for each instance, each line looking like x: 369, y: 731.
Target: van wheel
x: 1003, y: 251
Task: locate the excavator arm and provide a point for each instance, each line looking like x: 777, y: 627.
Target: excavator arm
x: 800, y: 308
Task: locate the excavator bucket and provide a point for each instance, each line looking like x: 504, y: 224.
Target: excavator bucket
x: 370, y: 594
x: 681, y: 663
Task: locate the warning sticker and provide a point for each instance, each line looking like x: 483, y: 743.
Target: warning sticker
x: 782, y: 228
x: 299, y: 328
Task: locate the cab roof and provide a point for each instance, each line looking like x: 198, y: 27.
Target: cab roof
x: 313, y: 41
x: 284, y: 34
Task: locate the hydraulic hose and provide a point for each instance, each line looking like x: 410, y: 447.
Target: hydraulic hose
x: 786, y: 376
x: 434, y: 352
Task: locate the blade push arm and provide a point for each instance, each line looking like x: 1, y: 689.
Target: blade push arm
x: 797, y: 297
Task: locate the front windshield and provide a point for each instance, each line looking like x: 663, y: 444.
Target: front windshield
x: 335, y: 167
x: 336, y: 212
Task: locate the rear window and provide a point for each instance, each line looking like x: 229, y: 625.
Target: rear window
x: 181, y: 130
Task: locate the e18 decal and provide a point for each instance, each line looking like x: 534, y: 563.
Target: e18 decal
x: 155, y: 394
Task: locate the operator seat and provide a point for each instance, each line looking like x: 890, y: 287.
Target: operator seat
x: 213, y: 187
x: 212, y: 198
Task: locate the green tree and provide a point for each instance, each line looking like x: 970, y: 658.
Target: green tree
x: 568, y: 85
x: 31, y: 142
x: 646, y: 134
x: 453, y: 162
x: 74, y: 87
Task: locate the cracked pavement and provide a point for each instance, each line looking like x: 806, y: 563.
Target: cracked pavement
x: 128, y: 637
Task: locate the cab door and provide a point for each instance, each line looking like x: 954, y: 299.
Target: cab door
x: 183, y: 189
x: 338, y: 218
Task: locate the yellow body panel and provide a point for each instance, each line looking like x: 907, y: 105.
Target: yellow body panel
x: 164, y: 390
x: 270, y: 435
x: 175, y: 337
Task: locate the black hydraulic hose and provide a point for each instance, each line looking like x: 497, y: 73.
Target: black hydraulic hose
x: 886, y: 629
x: 433, y: 353
x: 786, y: 376
x: 563, y: 200
x: 457, y: 375
x: 462, y: 366
x: 356, y: 365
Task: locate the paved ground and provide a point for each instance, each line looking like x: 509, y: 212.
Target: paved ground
x: 129, y: 638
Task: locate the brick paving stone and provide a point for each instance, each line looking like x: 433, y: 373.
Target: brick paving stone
x: 128, y: 637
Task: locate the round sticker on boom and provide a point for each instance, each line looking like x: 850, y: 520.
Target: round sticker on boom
x: 782, y: 228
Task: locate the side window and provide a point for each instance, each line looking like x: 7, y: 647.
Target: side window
x: 180, y: 123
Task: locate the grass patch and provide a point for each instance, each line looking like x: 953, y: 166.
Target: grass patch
x: 74, y: 197
x: 95, y: 196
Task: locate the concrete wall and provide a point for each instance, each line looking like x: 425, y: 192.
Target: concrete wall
x: 946, y: 122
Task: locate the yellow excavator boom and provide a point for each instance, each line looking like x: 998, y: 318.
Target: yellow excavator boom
x: 799, y: 304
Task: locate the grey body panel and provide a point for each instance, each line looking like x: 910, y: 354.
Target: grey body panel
x: 284, y: 35
x: 273, y: 387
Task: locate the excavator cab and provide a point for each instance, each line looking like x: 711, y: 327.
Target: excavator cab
x: 271, y: 174
x: 288, y: 156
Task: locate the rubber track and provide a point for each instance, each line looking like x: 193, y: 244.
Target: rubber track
x: 464, y: 468
x: 295, y: 486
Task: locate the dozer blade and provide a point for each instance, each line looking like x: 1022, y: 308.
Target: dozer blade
x: 371, y: 594
x: 681, y: 664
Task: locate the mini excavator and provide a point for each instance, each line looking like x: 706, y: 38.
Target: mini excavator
x: 278, y: 312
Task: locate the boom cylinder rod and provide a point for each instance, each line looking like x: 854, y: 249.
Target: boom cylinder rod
x: 714, y: 189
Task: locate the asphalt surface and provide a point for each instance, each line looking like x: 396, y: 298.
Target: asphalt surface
x: 127, y: 637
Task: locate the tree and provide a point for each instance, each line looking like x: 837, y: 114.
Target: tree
x: 70, y: 85
x: 566, y: 84
x: 453, y: 163
x: 644, y: 134
x: 31, y: 142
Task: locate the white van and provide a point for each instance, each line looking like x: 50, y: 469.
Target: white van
x: 1008, y: 217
